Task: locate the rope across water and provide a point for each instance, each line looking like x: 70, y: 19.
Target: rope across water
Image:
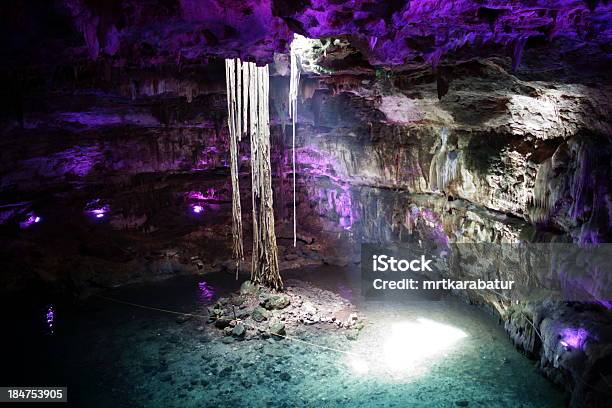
x: 291, y: 338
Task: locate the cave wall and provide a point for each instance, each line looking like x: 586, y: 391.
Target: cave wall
x: 378, y: 152
x: 462, y: 122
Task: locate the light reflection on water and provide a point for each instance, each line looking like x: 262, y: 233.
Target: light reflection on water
x: 206, y: 292
x: 49, y: 319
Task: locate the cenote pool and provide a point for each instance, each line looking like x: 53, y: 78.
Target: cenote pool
x: 409, y: 354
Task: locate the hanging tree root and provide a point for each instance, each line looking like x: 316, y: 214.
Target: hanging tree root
x: 248, y: 90
x: 234, y: 98
x: 294, y: 84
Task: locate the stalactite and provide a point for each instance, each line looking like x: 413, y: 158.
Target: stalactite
x: 444, y: 165
x: 543, y: 199
x: 232, y: 71
x: 517, y: 52
x: 294, y: 84
x: 248, y: 105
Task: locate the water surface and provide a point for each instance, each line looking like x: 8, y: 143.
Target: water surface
x: 410, y: 354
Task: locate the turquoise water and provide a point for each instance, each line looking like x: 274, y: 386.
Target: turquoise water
x: 419, y: 354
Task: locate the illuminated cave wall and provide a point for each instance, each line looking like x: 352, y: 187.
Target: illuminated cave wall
x: 489, y: 123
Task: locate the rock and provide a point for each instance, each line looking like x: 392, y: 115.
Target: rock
x: 260, y: 314
x: 238, y: 300
x: 462, y: 403
x: 214, y: 314
x: 226, y: 371
x: 249, y: 288
x: 222, y: 323
x: 276, y: 302
x: 227, y: 340
x: 309, y: 309
x: 352, y: 334
x: 239, y: 330
x: 228, y: 330
x: 285, y: 376
x: 277, y: 330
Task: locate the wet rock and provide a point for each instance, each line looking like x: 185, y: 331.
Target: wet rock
x: 285, y: 376
x: 221, y: 303
x: 222, y: 323
x: 227, y: 340
x: 260, y: 314
x: 277, y: 330
x: 227, y: 371
x: 276, y: 302
x: 249, y: 288
x: 239, y: 330
x: 352, y: 334
x: 243, y: 314
x: 238, y: 300
x: 214, y: 314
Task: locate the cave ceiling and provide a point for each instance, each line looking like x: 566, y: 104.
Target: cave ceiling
x: 543, y: 35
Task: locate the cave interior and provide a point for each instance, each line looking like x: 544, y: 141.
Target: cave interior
x: 191, y: 191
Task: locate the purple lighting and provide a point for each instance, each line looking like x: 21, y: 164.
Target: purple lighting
x: 50, y: 319
x: 573, y: 338
x: 96, y: 209
x: 198, y: 195
x: 197, y: 209
x: 31, y: 220
x: 99, y: 212
x: 206, y: 291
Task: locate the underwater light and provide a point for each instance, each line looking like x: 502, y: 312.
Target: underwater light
x: 32, y: 219
x: 206, y: 291
x: 198, y: 209
x: 95, y: 209
x: 358, y: 365
x: 411, y: 343
x: 50, y: 319
x: 573, y: 338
